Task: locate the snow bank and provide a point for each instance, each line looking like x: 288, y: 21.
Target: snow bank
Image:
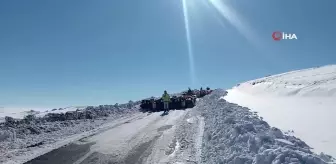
x: 300, y: 101
x: 22, y: 140
x: 234, y: 134
x: 20, y: 113
x: 188, y: 138
x: 14, y: 113
x: 60, y: 110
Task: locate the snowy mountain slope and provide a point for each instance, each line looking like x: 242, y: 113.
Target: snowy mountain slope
x: 303, y: 101
x: 235, y: 134
x: 313, y: 82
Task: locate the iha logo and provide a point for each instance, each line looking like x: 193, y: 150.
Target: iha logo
x: 277, y: 35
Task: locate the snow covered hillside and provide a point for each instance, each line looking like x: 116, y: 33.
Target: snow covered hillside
x: 301, y: 102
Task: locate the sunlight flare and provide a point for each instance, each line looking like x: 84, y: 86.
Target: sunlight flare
x: 231, y: 16
x: 189, y: 44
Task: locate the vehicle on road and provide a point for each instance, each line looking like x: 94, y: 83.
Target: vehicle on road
x: 177, y: 102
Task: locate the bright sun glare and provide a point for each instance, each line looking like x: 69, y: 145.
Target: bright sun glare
x: 189, y: 44
x: 226, y: 13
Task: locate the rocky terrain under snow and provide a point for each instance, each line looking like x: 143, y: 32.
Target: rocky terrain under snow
x: 20, y: 136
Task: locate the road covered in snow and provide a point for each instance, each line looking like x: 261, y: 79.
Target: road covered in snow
x: 215, y: 131
x: 225, y: 127
x: 148, y: 139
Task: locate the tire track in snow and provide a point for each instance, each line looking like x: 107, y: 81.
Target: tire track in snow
x: 133, y: 142
x: 123, y: 141
x: 199, y: 139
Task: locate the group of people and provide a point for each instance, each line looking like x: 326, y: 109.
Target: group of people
x: 166, y: 97
x: 167, y: 102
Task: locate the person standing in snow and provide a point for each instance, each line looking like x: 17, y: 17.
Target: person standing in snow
x: 190, y: 92
x: 183, y: 103
x: 166, y: 100
x: 153, y: 104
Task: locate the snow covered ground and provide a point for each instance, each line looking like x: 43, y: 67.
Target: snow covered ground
x: 235, y: 134
x: 288, y: 107
x: 302, y: 102
x: 20, y: 113
x: 16, y: 152
x: 27, y: 139
x: 60, y: 110
x: 214, y: 131
x: 143, y: 140
x: 12, y: 112
x: 150, y: 138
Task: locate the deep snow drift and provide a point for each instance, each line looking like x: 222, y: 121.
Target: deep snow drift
x: 302, y: 102
x: 24, y: 139
x: 236, y: 135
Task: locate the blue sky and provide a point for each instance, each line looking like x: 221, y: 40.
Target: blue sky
x: 84, y: 52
